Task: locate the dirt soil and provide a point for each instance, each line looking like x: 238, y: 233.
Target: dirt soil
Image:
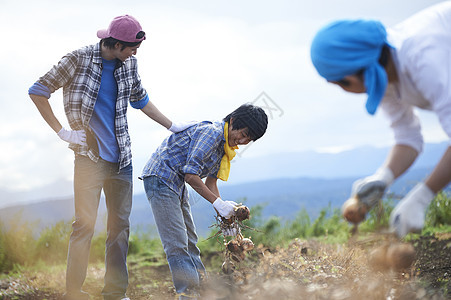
x: 304, y: 270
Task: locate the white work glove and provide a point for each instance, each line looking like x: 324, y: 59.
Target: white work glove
x: 73, y: 136
x: 371, y: 189
x: 225, y: 208
x: 408, y: 215
x: 180, y: 126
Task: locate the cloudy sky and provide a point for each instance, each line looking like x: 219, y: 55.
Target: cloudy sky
x: 201, y: 60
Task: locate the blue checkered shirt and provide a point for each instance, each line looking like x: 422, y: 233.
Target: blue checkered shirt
x: 79, y: 74
x: 196, y: 150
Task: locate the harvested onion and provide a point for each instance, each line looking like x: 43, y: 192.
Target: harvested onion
x: 242, y: 212
x: 353, y: 210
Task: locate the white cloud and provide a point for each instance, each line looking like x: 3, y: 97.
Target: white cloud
x: 201, y: 60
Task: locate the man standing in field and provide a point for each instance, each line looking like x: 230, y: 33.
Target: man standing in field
x: 202, y: 151
x: 99, y: 81
x: 408, y: 67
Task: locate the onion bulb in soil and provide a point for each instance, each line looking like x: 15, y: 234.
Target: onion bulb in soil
x: 400, y: 256
x: 242, y: 212
x: 353, y: 210
x: 378, y: 258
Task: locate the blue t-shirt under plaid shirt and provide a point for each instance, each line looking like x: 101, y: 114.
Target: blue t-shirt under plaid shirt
x: 196, y: 150
x: 79, y: 73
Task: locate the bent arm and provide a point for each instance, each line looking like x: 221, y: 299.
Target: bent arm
x: 46, y: 111
x: 211, y: 183
x: 441, y: 175
x: 201, y: 188
x: 400, y: 158
x: 152, y: 112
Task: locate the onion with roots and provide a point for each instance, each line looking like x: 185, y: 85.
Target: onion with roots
x: 236, y: 248
x: 246, y: 244
x: 233, y: 246
x: 239, y: 256
x: 228, y: 267
x: 353, y: 210
x: 242, y: 212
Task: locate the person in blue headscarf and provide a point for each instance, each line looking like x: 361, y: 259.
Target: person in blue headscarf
x: 400, y: 68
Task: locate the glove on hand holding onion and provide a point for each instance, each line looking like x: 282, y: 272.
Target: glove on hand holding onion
x: 238, y: 246
x: 366, y: 193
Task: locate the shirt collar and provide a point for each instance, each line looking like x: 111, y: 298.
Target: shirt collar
x: 97, y: 57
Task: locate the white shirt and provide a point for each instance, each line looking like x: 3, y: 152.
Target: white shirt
x: 422, y: 56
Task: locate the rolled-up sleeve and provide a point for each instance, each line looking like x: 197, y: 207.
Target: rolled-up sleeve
x: 141, y: 103
x: 40, y: 90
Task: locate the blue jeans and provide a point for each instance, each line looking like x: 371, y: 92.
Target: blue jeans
x: 178, y: 235
x: 89, y: 180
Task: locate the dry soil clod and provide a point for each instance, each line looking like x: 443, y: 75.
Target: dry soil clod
x: 397, y: 257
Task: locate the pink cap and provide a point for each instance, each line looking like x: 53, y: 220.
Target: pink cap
x: 123, y: 28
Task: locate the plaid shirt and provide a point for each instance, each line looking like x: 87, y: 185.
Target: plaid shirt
x: 79, y: 73
x: 196, y: 150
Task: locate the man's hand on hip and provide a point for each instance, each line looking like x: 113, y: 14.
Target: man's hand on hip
x: 73, y: 136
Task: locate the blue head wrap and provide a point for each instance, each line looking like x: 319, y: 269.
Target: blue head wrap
x: 343, y: 48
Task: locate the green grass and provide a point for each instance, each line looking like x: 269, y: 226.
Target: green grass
x: 20, y: 249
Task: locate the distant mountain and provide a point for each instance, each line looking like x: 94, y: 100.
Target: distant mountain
x: 284, y: 184
x: 357, y: 162
x: 57, y: 190
x: 281, y: 197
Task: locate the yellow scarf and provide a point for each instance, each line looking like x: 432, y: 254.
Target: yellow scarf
x: 224, y: 169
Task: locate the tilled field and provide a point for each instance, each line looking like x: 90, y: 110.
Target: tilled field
x: 304, y: 270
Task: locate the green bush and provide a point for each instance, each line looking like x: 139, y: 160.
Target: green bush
x: 143, y: 243
x: 17, y: 244
x: 97, y: 250
x: 439, y: 211
x: 3, y: 251
x: 300, y: 227
x: 51, y: 246
x: 273, y: 232
x: 378, y: 217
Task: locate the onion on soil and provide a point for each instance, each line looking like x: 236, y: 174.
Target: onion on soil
x: 378, y: 258
x: 397, y: 256
x: 400, y: 256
